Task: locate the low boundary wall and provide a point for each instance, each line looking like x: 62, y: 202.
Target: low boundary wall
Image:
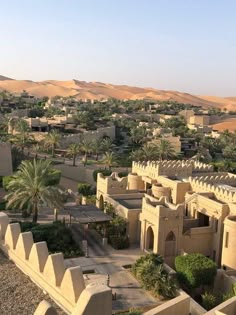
x: 65, y: 286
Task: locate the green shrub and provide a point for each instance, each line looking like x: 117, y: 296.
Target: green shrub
x: 3, y: 205
x: 85, y: 189
x: 27, y: 226
x: 195, y: 270
x: 5, y: 181
x: 156, y: 259
x: 1, y: 178
x: 133, y: 311
x: 53, y: 178
x: 58, y: 237
x: 123, y: 174
x: 209, y: 301
x: 150, y: 271
x: 119, y: 241
x: 91, y: 200
x: 230, y: 294
x: 104, y: 171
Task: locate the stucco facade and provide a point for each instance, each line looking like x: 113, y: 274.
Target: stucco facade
x: 185, y: 208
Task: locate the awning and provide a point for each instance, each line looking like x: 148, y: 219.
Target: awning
x: 85, y: 214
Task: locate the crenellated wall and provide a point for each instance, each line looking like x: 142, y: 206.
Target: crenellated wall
x: 223, y: 185
x: 112, y: 184
x: 153, y: 169
x: 65, y: 286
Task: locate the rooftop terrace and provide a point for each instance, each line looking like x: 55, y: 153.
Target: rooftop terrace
x: 131, y: 203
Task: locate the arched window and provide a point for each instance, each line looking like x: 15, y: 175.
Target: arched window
x: 170, y: 245
x: 101, y: 203
x: 150, y: 239
x: 170, y: 237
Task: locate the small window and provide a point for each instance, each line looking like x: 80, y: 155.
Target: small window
x: 226, y: 239
x: 214, y: 255
x: 216, y: 225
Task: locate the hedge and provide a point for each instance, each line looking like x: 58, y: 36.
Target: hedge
x: 195, y: 270
x: 53, y: 178
x: 123, y: 174
x: 58, y: 237
x: 85, y: 189
x: 104, y: 171
x: 119, y: 241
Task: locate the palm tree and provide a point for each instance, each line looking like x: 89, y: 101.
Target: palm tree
x: 4, y: 122
x: 22, y: 126
x: 165, y: 150
x: 106, y: 145
x: 109, y: 159
x: 12, y: 124
x: 86, y: 148
x: 96, y: 147
x: 229, y: 152
x: 22, y: 138
x: 225, y: 136
x: 52, y: 140
x: 149, y: 152
x: 28, y: 187
x: 73, y: 151
x: 138, y: 135
x: 36, y: 149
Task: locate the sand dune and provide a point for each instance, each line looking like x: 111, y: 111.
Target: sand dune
x: 2, y: 78
x: 229, y: 124
x: 227, y: 102
x: 99, y: 90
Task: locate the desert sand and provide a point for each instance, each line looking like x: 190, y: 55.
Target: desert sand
x: 99, y: 90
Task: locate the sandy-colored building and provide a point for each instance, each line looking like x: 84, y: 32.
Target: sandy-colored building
x: 173, y: 207
x: 5, y: 159
x: 174, y: 141
x: 186, y: 114
x: 202, y: 120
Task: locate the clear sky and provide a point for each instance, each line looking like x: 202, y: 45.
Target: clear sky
x: 185, y: 45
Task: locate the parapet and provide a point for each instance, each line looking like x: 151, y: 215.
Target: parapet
x: 161, y: 207
x: 221, y: 184
x: 179, y: 168
x: 45, y: 308
x: 65, y: 286
x: 112, y: 184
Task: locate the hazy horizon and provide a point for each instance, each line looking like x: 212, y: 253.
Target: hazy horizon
x: 186, y: 46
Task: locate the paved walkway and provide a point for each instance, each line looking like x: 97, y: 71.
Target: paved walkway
x: 128, y: 290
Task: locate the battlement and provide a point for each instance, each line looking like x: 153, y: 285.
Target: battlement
x: 65, y: 285
x: 161, y: 207
x: 223, y: 185
x: 153, y: 169
x: 112, y: 184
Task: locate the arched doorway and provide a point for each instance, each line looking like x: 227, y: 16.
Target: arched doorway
x: 101, y: 203
x: 170, y: 244
x: 150, y: 239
